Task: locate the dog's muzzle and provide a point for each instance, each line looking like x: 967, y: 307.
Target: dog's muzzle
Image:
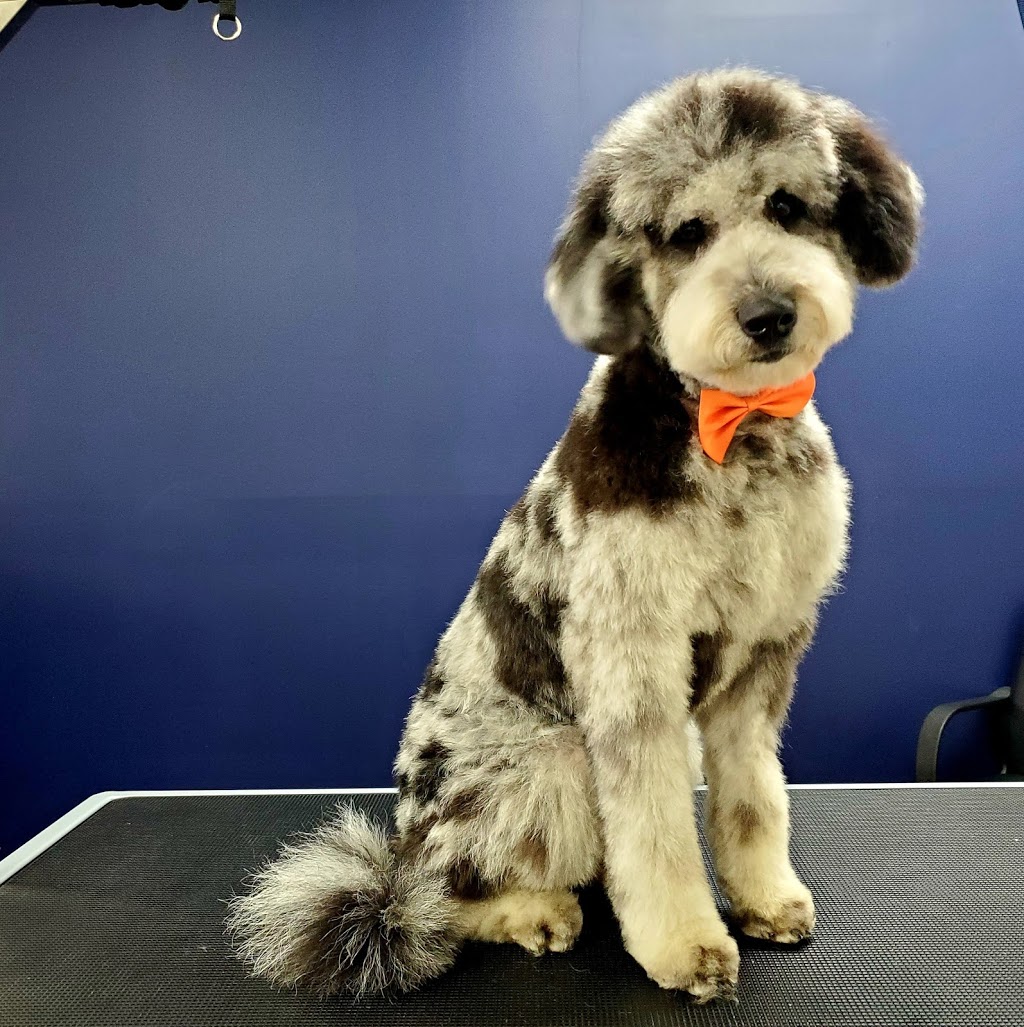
x: 767, y: 319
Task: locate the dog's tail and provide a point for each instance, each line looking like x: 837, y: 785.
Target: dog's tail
x: 340, y: 910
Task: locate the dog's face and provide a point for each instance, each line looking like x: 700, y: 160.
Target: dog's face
x: 727, y: 220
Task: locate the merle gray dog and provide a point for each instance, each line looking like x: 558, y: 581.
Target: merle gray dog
x: 644, y: 606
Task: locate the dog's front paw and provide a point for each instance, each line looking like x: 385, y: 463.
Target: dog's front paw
x: 704, y: 964
x: 787, y: 920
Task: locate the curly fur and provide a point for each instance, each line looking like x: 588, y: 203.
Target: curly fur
x: 640, y: 604
x: 340, y: 911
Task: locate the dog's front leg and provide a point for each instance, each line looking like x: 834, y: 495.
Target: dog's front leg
x: 636, y: 726
x: 748, y: 807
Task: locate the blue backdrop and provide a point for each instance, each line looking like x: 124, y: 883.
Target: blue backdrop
x: 274, y: 361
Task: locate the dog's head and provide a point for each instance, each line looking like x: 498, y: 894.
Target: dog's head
x: 726, y: 219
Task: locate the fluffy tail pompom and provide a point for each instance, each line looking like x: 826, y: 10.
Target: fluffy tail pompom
x: 339, y: 911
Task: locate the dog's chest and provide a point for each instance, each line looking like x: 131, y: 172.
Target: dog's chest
x: 776, y: 522
x: 763, y: 539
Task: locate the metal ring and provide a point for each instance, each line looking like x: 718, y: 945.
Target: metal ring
x: 216, y: 28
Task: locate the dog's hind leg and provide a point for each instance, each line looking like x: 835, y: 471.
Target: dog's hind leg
x: 539, y: 921
x: 513, y: 829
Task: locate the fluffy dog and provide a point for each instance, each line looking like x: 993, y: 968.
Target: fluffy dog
x: 643, y: 597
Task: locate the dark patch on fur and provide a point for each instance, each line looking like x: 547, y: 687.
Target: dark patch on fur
x: 402, y: 783
x: 375, y: 923
x: 645, y: 717
x: 687, y: 115
x: 433, y: 682
x: 742, y: 588
x: 309, y: 952
x: 746, y: 675
x: 625, y: 319
x: 785, y: 656
x: 735, y: 517
x: 807, y: 461
x: 526, y: 636
x: 691, y: 103
x: 500, y: 765
x: 584, y: 228
x: 548, y: 608
x: 517, y: 515
x: 631, y: 452
x: 409, y: 844
x: 768, y: 445
x: 772, y: 668
x: 431, y: 770
x: 467, y: 805
x: 707, y: 663
x: 465, y: 881
x: 533, y: 851
x: 756, y: 446
x: 621, y: 284
x: 875, y: 214
x: 617, y: 753
x: 420, y: 831
x: 622, y: 318
x: 747, y: 821
x: 544, y: 517
x: 753, y: 113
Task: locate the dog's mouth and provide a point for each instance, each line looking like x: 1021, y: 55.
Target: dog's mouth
x: 772, y: 356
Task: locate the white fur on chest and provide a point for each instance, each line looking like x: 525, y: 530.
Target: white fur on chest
x: 753, y: 556
x: 778, y: 546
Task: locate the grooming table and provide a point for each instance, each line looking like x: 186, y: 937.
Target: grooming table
x: 113, y: 916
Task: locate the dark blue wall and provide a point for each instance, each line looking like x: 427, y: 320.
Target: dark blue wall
x: 274, y: 360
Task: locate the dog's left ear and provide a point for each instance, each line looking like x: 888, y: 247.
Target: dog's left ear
x: 591, y: 285
x: 879, y: 210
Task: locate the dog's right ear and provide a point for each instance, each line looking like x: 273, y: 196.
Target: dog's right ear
x: 592, y: 288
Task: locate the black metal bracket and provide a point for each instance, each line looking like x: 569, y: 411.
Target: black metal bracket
x: 168, y: 5
x: 226, y: 13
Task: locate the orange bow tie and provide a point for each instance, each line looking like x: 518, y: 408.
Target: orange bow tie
x: 721, y: 412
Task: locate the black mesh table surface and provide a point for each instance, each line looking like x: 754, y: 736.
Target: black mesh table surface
x: 919, y: 892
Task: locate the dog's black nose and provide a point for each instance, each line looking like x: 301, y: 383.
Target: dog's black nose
x: 767, y: 317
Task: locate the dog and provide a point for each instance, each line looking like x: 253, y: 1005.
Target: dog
x: 639, y: 617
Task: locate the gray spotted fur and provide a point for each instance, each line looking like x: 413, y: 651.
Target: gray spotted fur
x: 639, y: 598
x: 340, y: 911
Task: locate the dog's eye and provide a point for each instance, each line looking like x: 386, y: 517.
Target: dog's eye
x: 689, y: 234
x: 785, y: 208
